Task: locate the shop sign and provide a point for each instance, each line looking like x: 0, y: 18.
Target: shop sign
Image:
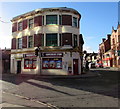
x: 29, y: 55
x: 52, y: 54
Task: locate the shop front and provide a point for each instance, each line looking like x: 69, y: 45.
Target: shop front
x: 47, y: 63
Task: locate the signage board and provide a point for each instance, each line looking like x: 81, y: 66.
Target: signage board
x: 52, y: 54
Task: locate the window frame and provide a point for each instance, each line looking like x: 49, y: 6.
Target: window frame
x: 75, y: 40
x: 75, y: 22
x: 49, y: 63
x: 20, y: 26
x: 51, y: 20
x: 51, y: 40
x: 19, y: 45
x: 30, y: 60
x: 30, y: 43
x: 31, y: 25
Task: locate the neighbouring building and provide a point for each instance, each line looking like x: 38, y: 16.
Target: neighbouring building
x: 56, y: 32
x: 109, y: 49
x: 6, y: 53
x: 115, y: 47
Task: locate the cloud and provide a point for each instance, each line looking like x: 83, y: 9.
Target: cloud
x: 88, y: 49
x: 5, y: 35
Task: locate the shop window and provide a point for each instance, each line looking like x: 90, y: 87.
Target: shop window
x: 52, y: 63
x: 31, y: 23
x: 75, y: 40
x: 51, y: 40
x: 30, y: 41
x: 74, y: 21
x: 30, y: 64
x: 20, y: 26
x: 51, y: 19
x: 19, y: 43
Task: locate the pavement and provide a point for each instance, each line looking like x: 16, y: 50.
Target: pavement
x: 31, y: 91
x: 15, y: 100
x: 87, y: 74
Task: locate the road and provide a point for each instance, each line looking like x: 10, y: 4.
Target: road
x: 36, y: 91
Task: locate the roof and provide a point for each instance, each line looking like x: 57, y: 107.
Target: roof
x: 41, y: 10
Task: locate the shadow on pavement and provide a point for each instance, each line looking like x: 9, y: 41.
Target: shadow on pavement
x: 105, y: 84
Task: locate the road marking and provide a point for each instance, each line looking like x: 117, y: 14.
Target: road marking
x: 37, y: 101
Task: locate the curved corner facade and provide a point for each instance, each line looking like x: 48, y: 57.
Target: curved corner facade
x: 56, y: 32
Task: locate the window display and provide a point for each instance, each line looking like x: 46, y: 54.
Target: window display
x: 30, y: 64
x: 52, y: 63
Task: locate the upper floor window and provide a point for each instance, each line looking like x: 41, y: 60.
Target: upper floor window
x: 74, y: 21
x: 75, y: 40
x: 51, y: 39
x: 19, y: 43
x: 31, y: 23
x: 42, y: 20
x: 60, y: 20
x: 19, y: 26
x: 51, y: 19
x: 30, y: 41
x: 113, y: 40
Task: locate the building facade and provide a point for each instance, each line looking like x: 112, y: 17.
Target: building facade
x: 55, y: 31
x: 109, y: 49
x: 115, y: 47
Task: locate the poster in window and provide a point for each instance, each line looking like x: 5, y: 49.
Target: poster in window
x: 34, y: 63
x: 52, y: 64
x: 26, y: 63
x: 45, y: 64
x: 58, y: 64
x: 30, y: 64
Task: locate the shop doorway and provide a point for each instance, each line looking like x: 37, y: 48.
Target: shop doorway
x: 18, y: 67
x: 75, y: 67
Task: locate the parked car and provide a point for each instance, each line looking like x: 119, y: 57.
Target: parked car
x: 100, y: 65
x: 92, y: 65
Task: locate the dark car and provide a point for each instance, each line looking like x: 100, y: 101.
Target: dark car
x: 100, y: 65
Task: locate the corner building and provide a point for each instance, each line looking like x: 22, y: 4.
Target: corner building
x: 56, y: 32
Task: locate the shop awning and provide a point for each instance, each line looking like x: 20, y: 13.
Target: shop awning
x: 106, y: 59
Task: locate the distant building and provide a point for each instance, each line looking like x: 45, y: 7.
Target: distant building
x: 109, y: 49
x: 115, y: 47
x: 56, y: 32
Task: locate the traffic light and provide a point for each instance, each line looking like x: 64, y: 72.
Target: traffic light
x: 36, y: 51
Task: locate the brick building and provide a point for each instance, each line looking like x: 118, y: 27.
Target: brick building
x: 56, y: 32
x: 109, y: 49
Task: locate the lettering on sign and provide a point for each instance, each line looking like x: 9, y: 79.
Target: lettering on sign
x: 52, y: 54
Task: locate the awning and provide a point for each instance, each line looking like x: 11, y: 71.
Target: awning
x: 106, y: 59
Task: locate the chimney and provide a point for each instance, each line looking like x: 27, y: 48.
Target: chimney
x: 103, y: 39
x: 108, y: 36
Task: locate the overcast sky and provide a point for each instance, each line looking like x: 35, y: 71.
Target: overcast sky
x: 97, y: 19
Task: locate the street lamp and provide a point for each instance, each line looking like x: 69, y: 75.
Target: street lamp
x: 37, y: 53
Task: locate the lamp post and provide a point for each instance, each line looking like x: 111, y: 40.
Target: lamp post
x: 38, y: 53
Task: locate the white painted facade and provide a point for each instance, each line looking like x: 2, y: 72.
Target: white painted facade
x: 67, y: 58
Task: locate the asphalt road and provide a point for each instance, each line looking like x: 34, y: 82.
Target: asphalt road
x: 98, y: 91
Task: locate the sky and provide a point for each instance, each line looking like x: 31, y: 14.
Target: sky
x: 97, y: 19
